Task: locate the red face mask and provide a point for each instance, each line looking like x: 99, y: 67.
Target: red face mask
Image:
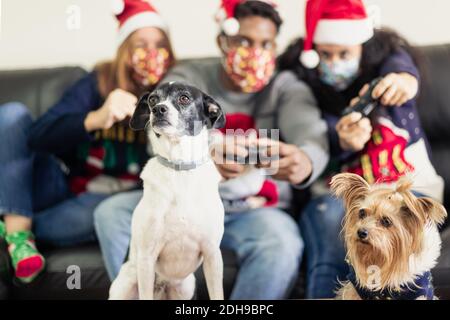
x: 249, y: 68
x: 150, y: 65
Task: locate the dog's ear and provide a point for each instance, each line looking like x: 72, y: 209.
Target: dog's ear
x: 349, y: 187
x: 141, y: 114
x: 425, y: 209
x: 435, y: 211
x: 213, y: 112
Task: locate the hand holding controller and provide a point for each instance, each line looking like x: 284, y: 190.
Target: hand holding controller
x: 257, y: 154
x: 366, y: 103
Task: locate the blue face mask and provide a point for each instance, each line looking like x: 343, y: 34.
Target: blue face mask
x: 339, y: 74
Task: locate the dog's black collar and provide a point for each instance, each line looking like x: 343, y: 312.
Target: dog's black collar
x: 421, y: 287
x: 180, y: 165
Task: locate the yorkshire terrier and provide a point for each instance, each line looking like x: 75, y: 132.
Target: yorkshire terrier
x: 391, y: 237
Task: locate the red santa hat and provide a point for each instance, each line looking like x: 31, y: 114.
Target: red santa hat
x: 135, y: 14
x: 341, y: 22
x: 225, y: 16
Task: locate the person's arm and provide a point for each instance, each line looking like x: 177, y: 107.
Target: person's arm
x: 400, y: 82
x: 400, y: 62
x: 80, y: 112
x: 63, y: 126
x: 336, y: 150
x: 301, y: 124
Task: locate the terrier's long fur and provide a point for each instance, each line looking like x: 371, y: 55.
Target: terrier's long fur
x: 388, y: 228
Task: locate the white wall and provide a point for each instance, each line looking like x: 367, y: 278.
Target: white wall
x: 34, y: 33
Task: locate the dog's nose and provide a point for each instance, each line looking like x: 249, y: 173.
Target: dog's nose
x: 362, y: 234
x: 160, y: 109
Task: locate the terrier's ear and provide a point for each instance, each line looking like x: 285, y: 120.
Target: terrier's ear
x: 433, y: 210
x: 349, y: 187
x: 213, y: 112
x: 141, y: 114
x: 424, y: 209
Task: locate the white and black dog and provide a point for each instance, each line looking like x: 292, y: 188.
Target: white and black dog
x: 179, y: 221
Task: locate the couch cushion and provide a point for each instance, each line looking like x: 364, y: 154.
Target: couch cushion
x: 434, y: 107
x: 38, y: 89
x: 434, y: 99
x: 52, y: 284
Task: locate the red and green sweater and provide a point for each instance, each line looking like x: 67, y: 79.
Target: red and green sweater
x: 398, y: 145
x: 104, y: 161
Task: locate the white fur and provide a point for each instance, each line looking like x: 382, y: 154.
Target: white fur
x: 178, y: 223
x: 427, y: 258
x: 172, y: 117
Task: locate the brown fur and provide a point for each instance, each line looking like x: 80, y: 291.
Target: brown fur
x: 389, y: 248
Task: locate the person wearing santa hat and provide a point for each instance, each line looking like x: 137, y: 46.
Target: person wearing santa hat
x: 87, y: 129
x: 341, y: 53
x: 254, y: 96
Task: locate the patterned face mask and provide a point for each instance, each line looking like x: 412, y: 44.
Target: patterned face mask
x: 339, y: 74
x: 249, y: 68
x: 150, y: 65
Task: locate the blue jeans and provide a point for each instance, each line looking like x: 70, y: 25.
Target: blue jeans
x: 267, y: 243
x: 33, y: 185
x: 320, y: 224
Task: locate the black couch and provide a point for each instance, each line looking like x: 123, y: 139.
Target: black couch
x: 39, y: 89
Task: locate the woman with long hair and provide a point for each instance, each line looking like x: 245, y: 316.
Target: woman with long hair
x: 57, y: 170
x: 339, y: 57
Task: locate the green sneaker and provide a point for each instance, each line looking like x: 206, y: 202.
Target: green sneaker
x: 26, y: 259
x: 2, y: 229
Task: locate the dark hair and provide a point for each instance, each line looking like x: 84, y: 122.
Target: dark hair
x: 384, y: 43
x: 258, y: 8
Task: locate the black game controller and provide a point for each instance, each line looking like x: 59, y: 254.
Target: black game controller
x: 366, y: 103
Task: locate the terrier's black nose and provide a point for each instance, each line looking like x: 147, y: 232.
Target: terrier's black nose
x: 362, y: 234
x: 160, y: 109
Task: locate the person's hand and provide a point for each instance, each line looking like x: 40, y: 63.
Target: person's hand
x: 293, y: 164
x: 118, y: 105
x: 223, y: 153
x: 395, y: 89
x: 353, y: 131
x: 230, y: 170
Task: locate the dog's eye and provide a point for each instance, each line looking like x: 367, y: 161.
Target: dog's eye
x: 184, y: 100
x: 362, y: 213
x: 153, y: 100
x: 386, y: 222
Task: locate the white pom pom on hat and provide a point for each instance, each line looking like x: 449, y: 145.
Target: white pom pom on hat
x: 231, y: 26
x: 133, y: 15
x: 117, y: 6
x: 225, y: 16
x: 310, y: 58
x: 339, y: 22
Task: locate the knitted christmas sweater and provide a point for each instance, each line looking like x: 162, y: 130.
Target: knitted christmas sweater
x: 104, y: 161
x: 398, y: 145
